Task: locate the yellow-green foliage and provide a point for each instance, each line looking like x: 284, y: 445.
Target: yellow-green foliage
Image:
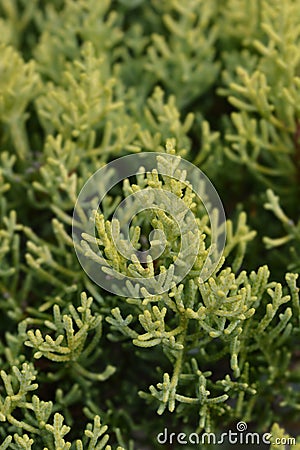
x: 83, y: 82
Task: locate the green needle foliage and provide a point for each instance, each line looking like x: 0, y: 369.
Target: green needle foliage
x: 83, y: 83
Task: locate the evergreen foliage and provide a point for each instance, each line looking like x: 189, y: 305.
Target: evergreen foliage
x: 81, y: 84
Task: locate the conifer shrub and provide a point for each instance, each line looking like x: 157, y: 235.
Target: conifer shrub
x: 83, y: 84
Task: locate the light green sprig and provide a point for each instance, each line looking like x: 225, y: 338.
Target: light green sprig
x: 69, y: 344
x: 19, y: 84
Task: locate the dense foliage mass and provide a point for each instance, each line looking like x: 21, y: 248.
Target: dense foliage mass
x: 81, y: 84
